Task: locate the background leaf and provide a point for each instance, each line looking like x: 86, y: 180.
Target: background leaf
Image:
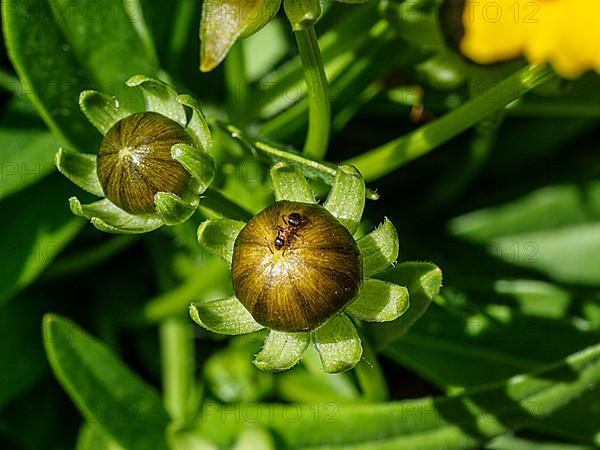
x: 103, y: 389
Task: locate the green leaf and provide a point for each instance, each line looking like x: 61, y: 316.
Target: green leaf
x: 197, y: 162
x: 282, y: 351
x: 550, y: 230
x: 172, y: 209
x: 86, y: 44
x: 226, y: 316
x: 40, y: 226
x: 107, y: 217
x: 217, y: 237
x: 379, y: 301
x: 103, y: 389
x: 255, y: 438
x: 91, y: 437
x: 346, y: 200
x: 465, y: 421
x: 290, y: 184
x: 424, y: 281
x: 102, y: 110
x: 338, y: 344
x: 223, y: 22
x: 80, y: 168
x: 26, y: 153
x: 379, y: 248
x: 197, y: 126
x: 160, y: 98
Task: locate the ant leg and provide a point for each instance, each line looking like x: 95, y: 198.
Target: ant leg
x: 284, y: 220
x: 269, y: 245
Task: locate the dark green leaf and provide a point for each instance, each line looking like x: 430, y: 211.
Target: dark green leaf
x: 104, y: 390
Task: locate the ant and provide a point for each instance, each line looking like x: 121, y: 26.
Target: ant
x: 292, y: 223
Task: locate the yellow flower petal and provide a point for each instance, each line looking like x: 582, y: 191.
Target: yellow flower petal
x: 562, y: 32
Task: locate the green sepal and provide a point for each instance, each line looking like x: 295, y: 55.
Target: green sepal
x: 338, y: 344
x: 80, y: 168
x: 224, y: 21
x: 379, y: 301
x: 173, y: 209
x: 197, y: 162
x: 254, y: 438
x: 109, y: 218
x: 346, y: 199
x: 197, y: 126
x: 379, y: 248
x: 282, y: 351
x: 423, y: 281
x: 302, y: 13
x: 225, y: 316
x: 290, y: 184
x: 217, y: 237
x: 102, y: 110
x: 160, y: 98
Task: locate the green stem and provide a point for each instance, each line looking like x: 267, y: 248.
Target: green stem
x: 235, y: 79
x: 177, y: 361
x: 385, y: 159
x: 319, y: 108
x: 217, y: 202
x: 184, y: 18
x: 370, y: 376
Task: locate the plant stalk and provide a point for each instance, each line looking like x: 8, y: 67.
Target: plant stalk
x: 389, y: 157
x: 319, y: 108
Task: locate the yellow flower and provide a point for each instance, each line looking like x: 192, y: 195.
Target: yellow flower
x: 565, y: 33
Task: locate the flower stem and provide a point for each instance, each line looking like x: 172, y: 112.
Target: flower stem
x: 177, y: 361
x: 235, y: 79
x: 319, y: 108
x: 385, y: 159
x: 370, y: 375
x: 214, y: 200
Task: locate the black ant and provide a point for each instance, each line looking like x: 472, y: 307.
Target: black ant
x: 292, y: 223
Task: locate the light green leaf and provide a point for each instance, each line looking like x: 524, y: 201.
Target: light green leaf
x: 465, y: 421
x: 40, y: 225
x: 338, y: 344
x: 551, y: 230
x: 103, y: 388
x: 290, y: 184
x: 172, y: 209
x: 107, y: 217
x: 423, y: 281
x: 346, y: 200
x: 379, y: 248
x: 197, y: 126
x: 379, y: 301
x: 91, y: 437
x: 217, y: 237
x: 282, y: 350
x: 102, y: 110
x: 160, y: 98
x: 255, y: 438
x: 224, y: 21
x: 197, y: 162
x: 226, y: 316
x: 80, y: 168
